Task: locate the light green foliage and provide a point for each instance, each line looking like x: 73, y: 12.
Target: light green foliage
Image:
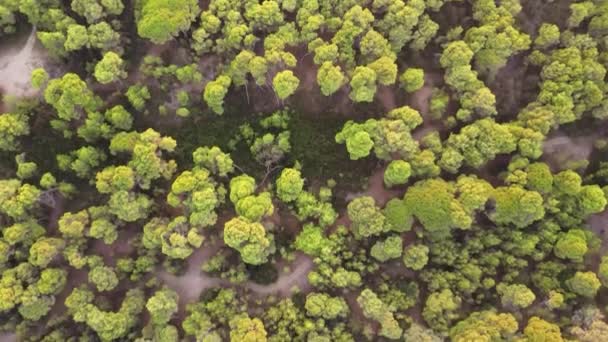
x: 103, y: 277
x: 76, y: 38
x: 412, y: 79
x: 375, y: 309
x: 289, y: 185
x: 73, y: 225
x: 119, y: 117
x: 548, y: 35
x: 240, y: 187
x: 397, y: 215
x: 25, y: 169
x: 387, y: 249
x: 325, y: 306
x: 138, y: 95
x: 83, y: 161
x: 129, y: 207
x: 44, y: 250
x: 161, y: 20
x: 416, y: 256
x: 312, y: 241
x: 39, y: 78
x: 515, y: 296
x: 417, y: 333
x: 432, y: 202
x: 199, y: 194
x: 538, y: 329
x: 162, y: 305
x: 363, y: 84
x: 285, y: 84
x: 250, y: 239
x: 12, y: 126
x: 572, y: 245
x: 517, y: 206
x: 330, y: 78
x: 385, y: 69
x: 255, y: 207
x: 367, y: 219
x: 397, y: 173
x: 603, y: 271
x: 110, y: 68
x: 52, y: 281
x: 70, y: 97
x: 243, y: 328
x: 214, y: 93
x: 17, y: 199
x: 214, y: 160
x: 440, y: 309
x: 584, y: 284
x: 484, y: 325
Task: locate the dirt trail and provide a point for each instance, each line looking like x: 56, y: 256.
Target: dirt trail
x: 375, y: 189
x: 194, y: 282
x: 559, y: 149
x: 16, y: 66
x: 297, y: 277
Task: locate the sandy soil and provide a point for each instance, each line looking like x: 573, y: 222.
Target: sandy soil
x: 17, y: 63
x: 559, y: 149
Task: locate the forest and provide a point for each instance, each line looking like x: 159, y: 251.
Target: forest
x: 304, y: 170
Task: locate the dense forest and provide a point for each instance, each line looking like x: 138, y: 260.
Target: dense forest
x: 303, y: 170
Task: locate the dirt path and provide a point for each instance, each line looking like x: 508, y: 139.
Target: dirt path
x: 375, y: 189
x: 286, y: 282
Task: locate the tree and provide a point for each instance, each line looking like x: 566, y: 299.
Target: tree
x: 17, y: 199
x: 363, y: 84
x: 412, y: 79
x: 214, y: 160
x: 584, y: 284
x: 484, y: 325
x: 249, y: 238
x: 245, y: 329
x: 285, y: 84
x: 387, y: 249
x: 366, y: 217
x: 548, y: 35
x: 12, y: 126
x: 214, y: 93
x: 538, y: 329
x: 110, y: 68
x: 160, y: 20
x: 325, y: 306
x: 603, y: 271
x: 289, y: 185
x: 162, y: 305
x: 39, y: 78
x: 375, y: 309
x: 440, y: 309
x: 571, y: 245
x: 517, y: 206
x: 385, y: 69
x: 397, y: 173
x: 416, y: 256
x: 44, y: 250
x: 517, y: 296
x: 330, y: 78
x: 103, y: 277
x: 77, y: 37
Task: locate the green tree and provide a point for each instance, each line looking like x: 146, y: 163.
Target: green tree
x: 12, y: 126
x: 103, y: 277
x: 250, y: 239
x: 416, y: 256
x: 367, y: 219
x: 214, y: 93
x: 246, y: 329
x: 162, y: 305
x: 285, y: 84
x: 390, y: 248
x: 515, y: 295
x: 484, y: 325
x: 325, y: 306
x: 397, y: 173
x: 110, y: 68
x: 412, y: 79
x: 584, y: 284
x: 289, y: 185
x: 375, y: 309
x: 330, y: 78
x: 363, y: 84
x: 160, y: 20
